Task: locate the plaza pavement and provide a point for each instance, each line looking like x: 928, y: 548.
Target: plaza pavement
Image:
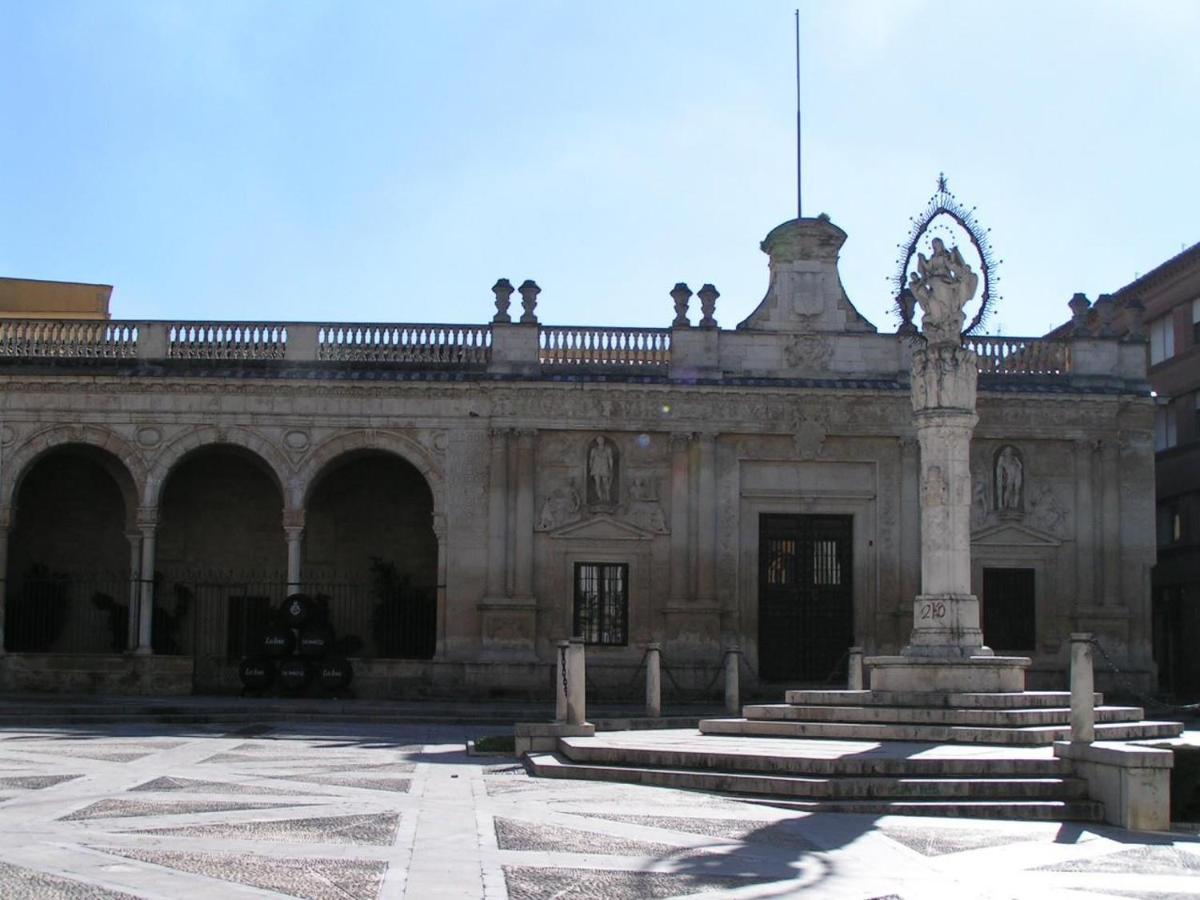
x: 334, y: 812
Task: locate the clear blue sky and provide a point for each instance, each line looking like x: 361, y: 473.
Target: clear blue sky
x: 385, y: 161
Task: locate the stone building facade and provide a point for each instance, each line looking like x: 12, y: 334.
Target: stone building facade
x: 504, y: 486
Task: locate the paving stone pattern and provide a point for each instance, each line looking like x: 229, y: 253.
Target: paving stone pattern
x: 354, y: 812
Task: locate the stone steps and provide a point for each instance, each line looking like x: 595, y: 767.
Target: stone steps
x: 907, y: 715
x: 1012, y: 700
x: 1042, y: 735
x: 752, y: 756
x: 1047, y: 797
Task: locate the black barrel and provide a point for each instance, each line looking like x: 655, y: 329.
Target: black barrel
x: 295, y: 673
x: 279, y: 641
x: 316, y: 640
x: 297, y: 609
x: 256, y: 673
x: 335, y: 674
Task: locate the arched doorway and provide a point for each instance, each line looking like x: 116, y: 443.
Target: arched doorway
x: 369, y: 546
x: 68, y: 578
x: 220, y: 565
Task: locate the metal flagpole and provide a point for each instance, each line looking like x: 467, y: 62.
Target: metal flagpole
x: 799, y: 204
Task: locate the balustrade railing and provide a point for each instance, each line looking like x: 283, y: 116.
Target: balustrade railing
x: 430, y: 344
x: 226, y: 340
x: 1021, y: 356
x: 583, y: 346
x: 68, y: 339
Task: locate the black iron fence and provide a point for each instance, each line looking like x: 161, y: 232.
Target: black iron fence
x: 219, y: 617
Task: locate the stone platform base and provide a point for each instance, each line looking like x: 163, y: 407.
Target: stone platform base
x: 974, y: 674
x: 95, y: 673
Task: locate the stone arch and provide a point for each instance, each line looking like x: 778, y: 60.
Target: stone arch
x: 406, y: 448
x: 214, y: 436
x: 121, y: 458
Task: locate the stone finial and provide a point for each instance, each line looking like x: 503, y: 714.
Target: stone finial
x: 708, y: 303
x: 1080, y: 305
x: 503, y: 290
x: 529, y: 294
x: 1106, y: 309
x: 681, y: 294
x: 1137, y: 320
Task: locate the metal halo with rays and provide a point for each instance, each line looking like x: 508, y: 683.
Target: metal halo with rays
x: 943, y: 202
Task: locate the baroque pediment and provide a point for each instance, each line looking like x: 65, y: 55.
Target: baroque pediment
x: 1013, y: 534
x: 602, y: 528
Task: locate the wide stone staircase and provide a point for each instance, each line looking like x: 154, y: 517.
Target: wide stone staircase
x: 976, y: 755
x: 1025, y: 718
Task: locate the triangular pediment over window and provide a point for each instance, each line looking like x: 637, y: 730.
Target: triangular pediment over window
x: 602, y: 528
x: 1011, y: 534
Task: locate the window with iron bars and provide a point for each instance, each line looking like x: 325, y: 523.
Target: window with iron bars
x: 602, y: 603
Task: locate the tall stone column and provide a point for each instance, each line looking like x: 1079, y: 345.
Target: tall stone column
x: 680, y: 517
x: 945, y: 652
x: 523, y: 536
x: 497, y: 575
x: 293, y: 531
x: 147, y: 521
x: 1085, y: 582
x: 946, y: 613
x: 1110, y: 546
x: 5, y: 522
x: 706, y: 520
x: 135, y: 587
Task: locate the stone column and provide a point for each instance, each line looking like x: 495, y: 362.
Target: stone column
x: 523, y: 536
x: 497, y: 575
x: 147, y: 520
x: 1085, y: 582
x: 680, y: 517
x: 706, y: 520
x: 1110, y: 547
x: 5, y: 521
x: 946, y: 613
x: 135, y: 588
x: 293, y: 530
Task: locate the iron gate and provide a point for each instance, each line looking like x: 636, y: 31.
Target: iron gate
x: 805, y: 597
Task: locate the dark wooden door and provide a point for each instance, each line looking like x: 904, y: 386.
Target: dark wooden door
x: 805, y: 601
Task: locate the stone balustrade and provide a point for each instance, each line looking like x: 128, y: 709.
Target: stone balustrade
x: 1020, y: 356
x: 430, y: 344
x: 530, y: 347
x: 68, y: 339
x: 621, y: 347
x: 226, y: 340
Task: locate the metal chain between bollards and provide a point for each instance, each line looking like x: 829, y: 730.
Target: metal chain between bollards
x: 1144, y: 699
x: 641, y: 665
x: 562, y: 664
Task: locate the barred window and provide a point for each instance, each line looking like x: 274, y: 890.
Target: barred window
x: 602, y: 603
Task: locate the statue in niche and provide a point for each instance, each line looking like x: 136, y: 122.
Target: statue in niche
x: 601, y: 472
x: 943, y: 285
x: 561, y: 507
x: 1010, y: 480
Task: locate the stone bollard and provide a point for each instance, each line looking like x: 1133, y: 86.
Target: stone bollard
x: 560, y: 683
x: 855, y: 673
x: 732, y: 695
x: 653, y: 680
x: 576, y: 683
x: 1083, y: 690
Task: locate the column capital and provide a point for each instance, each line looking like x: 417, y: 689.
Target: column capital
x: 6, y: 517
x: 147, y: 517
x: 293, y: 518
x: 681, y: 440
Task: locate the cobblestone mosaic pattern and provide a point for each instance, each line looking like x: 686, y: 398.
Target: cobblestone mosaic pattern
x: 359, y: 812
